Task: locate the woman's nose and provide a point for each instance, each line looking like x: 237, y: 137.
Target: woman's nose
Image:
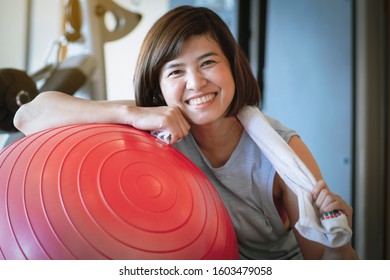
x: 196, y: 81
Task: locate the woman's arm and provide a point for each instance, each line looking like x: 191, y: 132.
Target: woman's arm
x: 52, y: 109
x: 325, y: 201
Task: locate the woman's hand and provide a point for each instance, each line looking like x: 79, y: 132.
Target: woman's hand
x: 164, y: 118
x: 326, y: 201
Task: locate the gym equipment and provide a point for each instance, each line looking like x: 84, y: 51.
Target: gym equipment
x: 16, y: 88
x: 81, y: 71
x: 107, y: 191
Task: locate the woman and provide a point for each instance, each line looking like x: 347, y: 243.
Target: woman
x: 191, y: 80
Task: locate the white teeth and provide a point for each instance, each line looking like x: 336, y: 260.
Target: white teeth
x: 201, y: 100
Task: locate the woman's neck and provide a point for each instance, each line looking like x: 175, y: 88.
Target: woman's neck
x: 218, y: 140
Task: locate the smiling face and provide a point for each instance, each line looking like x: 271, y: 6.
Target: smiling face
x: 199, y: 81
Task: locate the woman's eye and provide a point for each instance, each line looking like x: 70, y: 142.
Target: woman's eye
x: 174, y: 73
x: 208, y: 62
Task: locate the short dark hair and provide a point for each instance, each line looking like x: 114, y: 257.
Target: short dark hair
x: 164, y: 42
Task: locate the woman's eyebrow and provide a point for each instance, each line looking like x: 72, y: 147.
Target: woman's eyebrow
x: 207, y: 55
x: 172, y: 65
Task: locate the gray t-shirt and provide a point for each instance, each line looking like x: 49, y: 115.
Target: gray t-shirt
x: 245, y: 185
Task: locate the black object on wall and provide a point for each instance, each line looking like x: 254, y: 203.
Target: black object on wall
x: 252, y: 21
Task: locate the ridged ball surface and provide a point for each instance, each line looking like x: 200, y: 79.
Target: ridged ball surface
x: 107, y: 192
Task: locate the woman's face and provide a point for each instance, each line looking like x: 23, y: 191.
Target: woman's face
x: 199, y: 81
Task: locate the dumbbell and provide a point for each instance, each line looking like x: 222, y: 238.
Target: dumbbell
x: 16, y: 89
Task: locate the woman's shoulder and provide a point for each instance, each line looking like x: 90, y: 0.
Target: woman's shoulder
x: 285, y: 132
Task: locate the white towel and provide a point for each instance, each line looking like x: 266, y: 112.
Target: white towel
x: 162, y: 135
x: 332, y: 228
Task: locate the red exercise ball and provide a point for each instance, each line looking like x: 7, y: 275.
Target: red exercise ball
x: 107, y: 192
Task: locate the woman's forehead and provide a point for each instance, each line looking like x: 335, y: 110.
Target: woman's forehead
x: 199, y: 45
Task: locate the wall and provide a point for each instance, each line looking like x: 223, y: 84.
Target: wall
x: 121, y: 55
x: 45, y: 29
x: 13, y: 34
x: 308, y: 80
